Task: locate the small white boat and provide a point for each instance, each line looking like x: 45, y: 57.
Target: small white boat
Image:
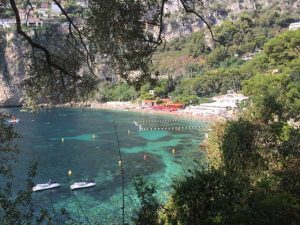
x: 85, y: 184
x: 13, y: 120
x: 51, y: 184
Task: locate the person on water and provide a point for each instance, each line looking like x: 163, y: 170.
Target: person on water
x: 145, y: 157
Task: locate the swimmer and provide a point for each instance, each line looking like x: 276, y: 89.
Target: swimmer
x: 145, y: 157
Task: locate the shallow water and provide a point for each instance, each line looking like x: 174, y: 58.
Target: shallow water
x: 90, y: 149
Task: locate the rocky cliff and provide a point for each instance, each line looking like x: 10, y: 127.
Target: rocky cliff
x: 12, y: 70
x: 215, y: 11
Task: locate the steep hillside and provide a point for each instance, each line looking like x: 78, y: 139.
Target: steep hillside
x: 241, y: 36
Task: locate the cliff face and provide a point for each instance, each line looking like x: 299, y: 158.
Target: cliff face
x: 12, y: 70
x: 215, y: 11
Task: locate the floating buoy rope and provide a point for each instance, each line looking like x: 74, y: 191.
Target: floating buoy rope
x: 141, y: 128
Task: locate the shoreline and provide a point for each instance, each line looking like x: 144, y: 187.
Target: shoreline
x: 134, y: 108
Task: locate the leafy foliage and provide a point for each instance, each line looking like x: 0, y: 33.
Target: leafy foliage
x: 280, y: 99
x: 248, y: 186
x: 148, y: 212
x: 253, y: 174
x: 44, y: 84
x: 247, y: 34
x: 210, y: 84
x: 116, y: 30
x: 119, y: 92
x: 284, y: 48
x: 15, y: 208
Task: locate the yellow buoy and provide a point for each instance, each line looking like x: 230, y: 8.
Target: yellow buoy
x: 173, y: 150
x: 69, y: 173
x: 120, y: 162
x: 62, y: 140
x: 94, y: 136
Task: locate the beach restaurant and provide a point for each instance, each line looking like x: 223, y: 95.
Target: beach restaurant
x: 166, y: 105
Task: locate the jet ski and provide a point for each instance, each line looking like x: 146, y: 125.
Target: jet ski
x: 51, y: 184
x: 13, y: 120
x: 85, y: 184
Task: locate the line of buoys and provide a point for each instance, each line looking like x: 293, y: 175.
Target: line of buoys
x: 171, y: 128
x: 158, y: 121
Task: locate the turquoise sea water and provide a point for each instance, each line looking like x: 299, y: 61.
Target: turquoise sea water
x: 90, y: 150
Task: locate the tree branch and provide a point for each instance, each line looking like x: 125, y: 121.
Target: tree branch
x: 31, y: 9
x: 190, y: 10
x: 36, y: 45
x: 161, y: 25
x: 71, y: 24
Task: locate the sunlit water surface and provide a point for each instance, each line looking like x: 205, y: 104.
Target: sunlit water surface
x: 90, y: 150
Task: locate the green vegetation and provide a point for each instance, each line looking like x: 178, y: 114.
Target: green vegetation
x: 253, y: 172
x: 206, y: 71
x: 115, y: 92
x: 149, y: 205
x: 280, y: 55
x: 245, y: 35
x: 15, y: 208
x: 210, y: 84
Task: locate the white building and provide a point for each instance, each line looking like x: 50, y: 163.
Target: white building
x: 33, y: 22
x: 294, y: 26
x: 43, y: 13
x: 55, y: 9
x: 6, y: 23
x: 231, y: 99
x: 83, y: 4
x: 151, y: 92
x: 222, y: 105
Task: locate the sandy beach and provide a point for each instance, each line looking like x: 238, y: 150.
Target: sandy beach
x: 131, y: 107
x: 135, y: 108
